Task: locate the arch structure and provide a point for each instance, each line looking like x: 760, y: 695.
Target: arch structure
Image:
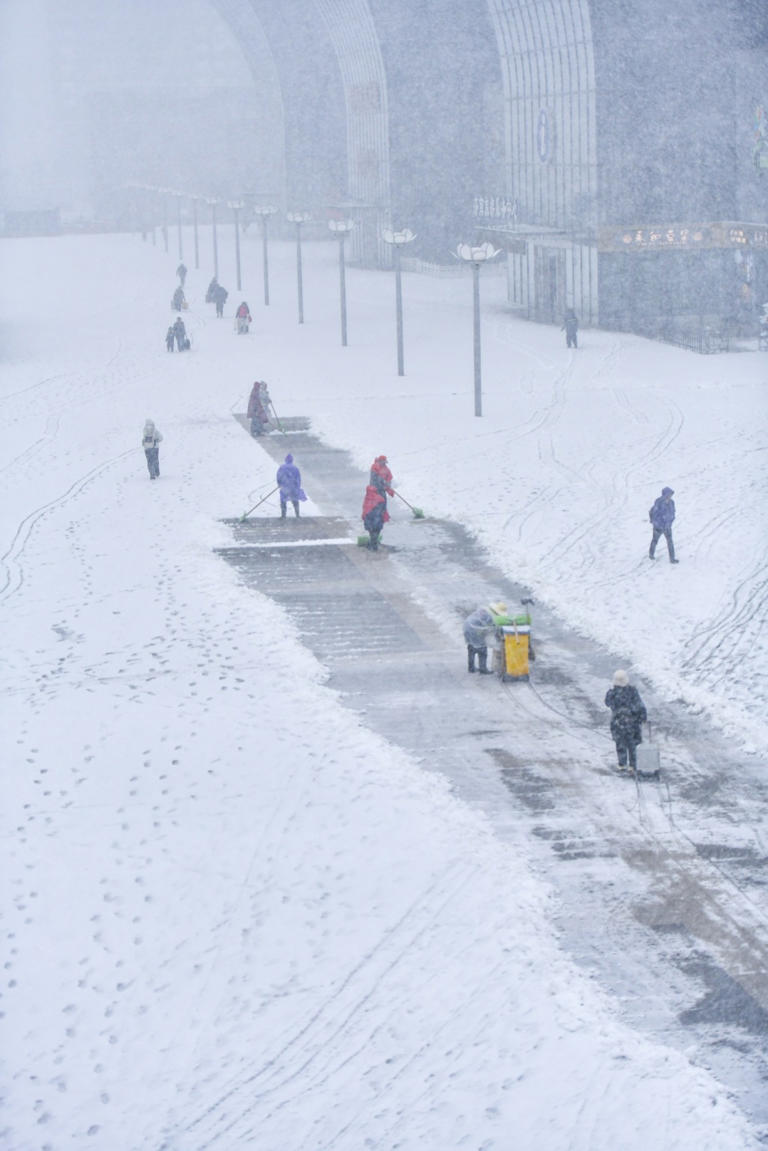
x: 550, y: 154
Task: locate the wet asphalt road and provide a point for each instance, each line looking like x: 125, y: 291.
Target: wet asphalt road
x: 661, y: 886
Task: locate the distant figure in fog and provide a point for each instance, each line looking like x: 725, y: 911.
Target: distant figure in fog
x: 170, y: 338
x: 210, y: 294
x: 220, y: 298
x: 571, y: 328
x: 181, y: 272
x: 178, y: 301
x: 150, y: 441
x: 180, y: 331
x: 243, y: 319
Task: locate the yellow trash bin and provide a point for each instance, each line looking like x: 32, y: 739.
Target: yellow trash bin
x: 515, y: 651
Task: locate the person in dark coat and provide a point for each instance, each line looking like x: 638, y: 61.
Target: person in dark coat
x: 375, y: 515
x: 210, y: 294
x: 220, y: 298
x: 381, y: 477
x: 477, y: 628
x: 178, y: 300
x: 180, y: 331
x: 258, y: 408
x: 181, y: 272
x: 289, y: 483
x: 170, y: 338
x: 627, y: 716
x: 662, y: 516
x: 150, y: 441
x: 571, y: 328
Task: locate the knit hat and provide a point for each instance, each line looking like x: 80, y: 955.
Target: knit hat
x: 289, y: 458
x: 498, y: 608
x: 381, y: 459
x: 620, y: 678
x: 667, y: 491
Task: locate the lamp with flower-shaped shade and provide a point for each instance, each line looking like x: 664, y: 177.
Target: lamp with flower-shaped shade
x: 398, y: 240
x: 264, y: 211
x: 476, y: 254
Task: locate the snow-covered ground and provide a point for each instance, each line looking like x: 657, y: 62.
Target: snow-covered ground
x: 233, y: 917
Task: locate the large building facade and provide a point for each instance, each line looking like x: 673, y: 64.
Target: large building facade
x: 617, y: 152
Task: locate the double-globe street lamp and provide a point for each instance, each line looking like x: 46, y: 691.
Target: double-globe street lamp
x: 477, y: 254
x: 341, y: 229
x: 299, y: 218
x: 398, y: 240
x: 264, y: 211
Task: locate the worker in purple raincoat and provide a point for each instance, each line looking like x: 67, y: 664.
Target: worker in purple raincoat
x: 289, y: 483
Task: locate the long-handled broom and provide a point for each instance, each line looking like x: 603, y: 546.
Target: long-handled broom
x: 245, y: 515
x: 418, y: 514
x: 277, y: 418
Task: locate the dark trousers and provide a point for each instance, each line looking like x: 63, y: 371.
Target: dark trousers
x: 570, y: 340
x: 626, y: 749
x: 482, y: 657
x: 284, y: 507
x: 153, y: 462
x: 657, y: 534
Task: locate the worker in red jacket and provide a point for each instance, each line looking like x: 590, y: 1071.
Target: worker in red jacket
x: 375, y: 515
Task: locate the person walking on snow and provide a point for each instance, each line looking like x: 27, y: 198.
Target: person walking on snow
x: 375, y: 515
x: 570, y: 327
x: 662, y: 516
x: 381, y: 477
x: 181, y: 272
x: 220, y: 298
x: 180, y: 331
x: 170, y: 338
x: 243, y: 319
x: 150, y: 441
x: 178, y: 301
x: 289, y: 483
x: 477, y: 627
x: 627, y: 716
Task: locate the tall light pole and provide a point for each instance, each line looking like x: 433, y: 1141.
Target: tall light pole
x: 341, y: 229
x: 236, y: 206
x: 164, y: 194
x: 397, y: 241
x: 299, y: 218
x: 264, y: 211
x: 194, y: 227
x: 178, y: 224
x: 215, y: 239
x: 477, y: 255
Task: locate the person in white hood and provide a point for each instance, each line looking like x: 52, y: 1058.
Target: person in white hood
x: 151, y: 438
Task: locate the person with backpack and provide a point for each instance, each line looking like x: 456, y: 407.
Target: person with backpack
x: 151, y: 439
x: 243, y: 319
x: 289, y: 483
x: 662, y: 516
x: 628, y: 714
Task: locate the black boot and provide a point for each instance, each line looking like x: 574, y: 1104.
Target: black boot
x: 470, y: 658
x: 483, y: 656
x: 295, y: 506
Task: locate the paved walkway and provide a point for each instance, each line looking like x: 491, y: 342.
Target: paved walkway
x: 661, y: 886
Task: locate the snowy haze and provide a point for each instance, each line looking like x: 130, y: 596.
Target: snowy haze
x: 234, y: 916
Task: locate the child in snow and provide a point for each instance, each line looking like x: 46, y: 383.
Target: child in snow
x: 150, y: 441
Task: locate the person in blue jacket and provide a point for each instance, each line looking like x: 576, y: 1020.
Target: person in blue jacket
x: 477, y: 628
x: 289, y: 483
x: 662, y: 516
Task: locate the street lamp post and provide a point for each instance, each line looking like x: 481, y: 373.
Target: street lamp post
x: 194, y: 227
x: 299, y: 218
x: 236, y: 213
x: 341, y: 229
x: 477, y: 255
x: 178, y: 225
x: 264, y: 211
x: 165, y: 221
x: 398, y: 240
x: 215, y: 239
